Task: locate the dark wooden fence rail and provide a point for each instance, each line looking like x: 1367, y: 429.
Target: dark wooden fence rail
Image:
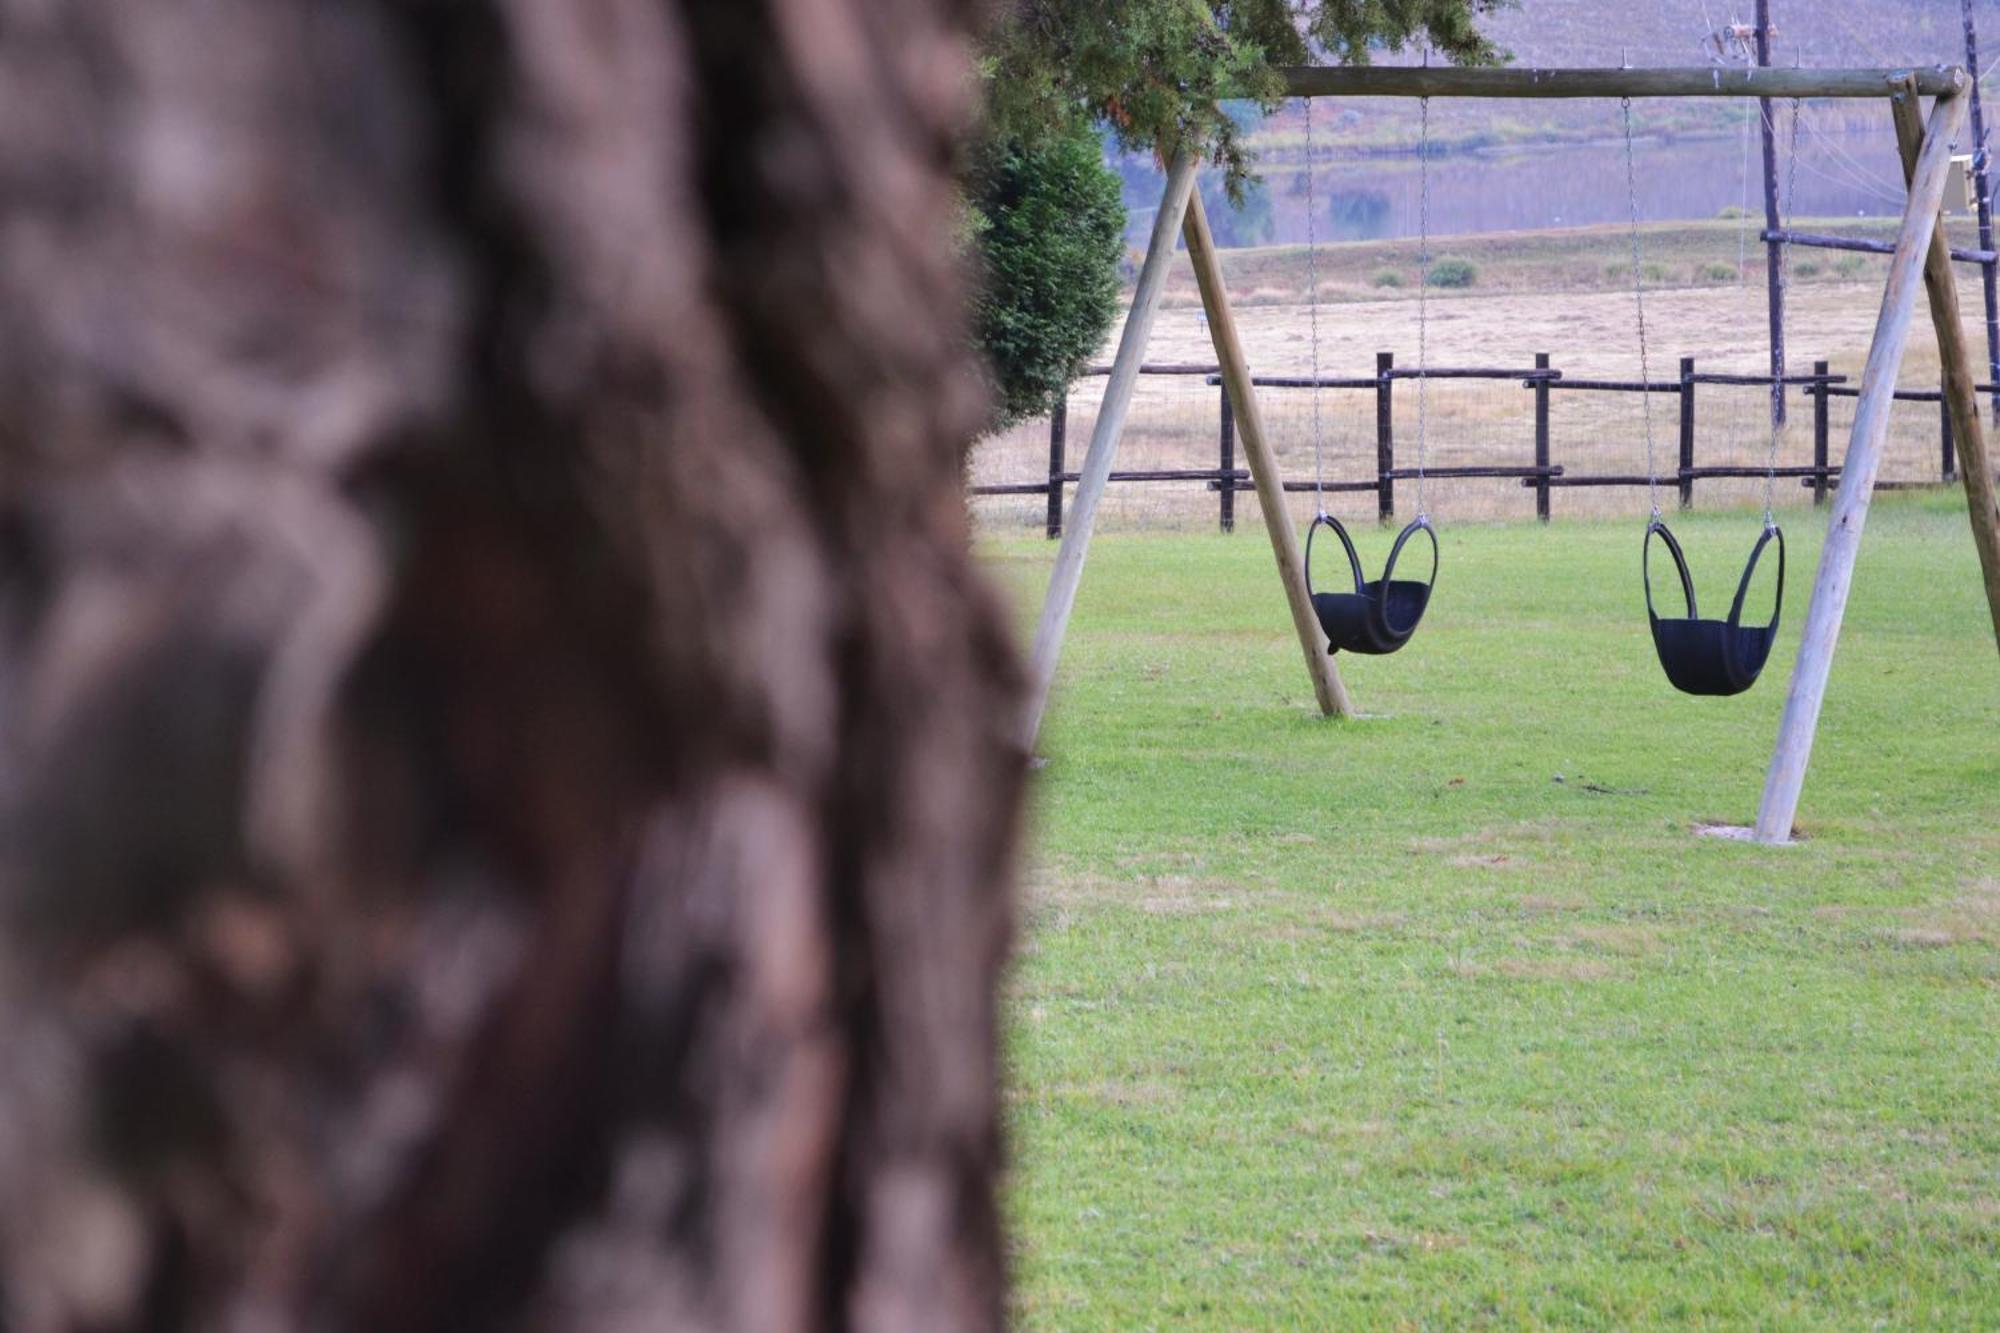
x: 1540, y: 474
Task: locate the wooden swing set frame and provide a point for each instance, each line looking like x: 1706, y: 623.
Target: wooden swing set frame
x: 1921, y: 254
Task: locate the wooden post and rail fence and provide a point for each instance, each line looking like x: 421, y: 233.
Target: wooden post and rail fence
x: 1540, y: 473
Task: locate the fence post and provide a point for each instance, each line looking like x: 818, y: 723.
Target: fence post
x: 1058, y: 428
x: 1820, y: 399
x: 1949, y: 467
x: 1542, y: 438
x: 1385, y: 436
x: 1227, y: 488
x: 1687, y: 431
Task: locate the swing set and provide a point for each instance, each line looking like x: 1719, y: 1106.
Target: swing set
x: 1699, y: 656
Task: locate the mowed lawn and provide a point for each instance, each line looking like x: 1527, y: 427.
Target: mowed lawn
x: 1446, y: 1018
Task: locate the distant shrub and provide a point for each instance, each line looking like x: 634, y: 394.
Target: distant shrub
x: 1621, y: 273
x: 1809, y: 269
x: 1715, y: 272
x: 1388, y: 277
x: 1730, y: 212
x: 1450, y: 272
x: 1849, y: 265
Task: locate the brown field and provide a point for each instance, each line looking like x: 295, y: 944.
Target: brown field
x: 1552, y: 292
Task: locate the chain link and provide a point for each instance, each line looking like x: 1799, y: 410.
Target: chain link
x: 1423, y: 290
x: 1639, y: 305
x: 1312, y: 310
x: 1784, y: 286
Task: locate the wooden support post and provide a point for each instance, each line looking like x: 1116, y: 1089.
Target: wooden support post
x: 1687, y: 431
x: 1822, y: 418
x: 1068, y: 571
x: 1328, y: 690
x: 1058, y: 431
x: 1542, y: 438
x: 1774, y: 285
x: 1961, y: 394
x: 1385, y: 436
x: 1946, y: 470
x: 1793, y: 750
x: 1226, y: 492
x: 1982, y: 186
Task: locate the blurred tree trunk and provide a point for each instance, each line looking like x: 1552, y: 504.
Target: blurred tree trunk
x: 502, y: 747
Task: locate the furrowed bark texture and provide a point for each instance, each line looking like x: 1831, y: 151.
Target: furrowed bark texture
x: 505, y: 758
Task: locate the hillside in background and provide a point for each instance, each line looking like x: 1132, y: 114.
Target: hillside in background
x: 1673, y: 32
x: 1646, y: 32
x: 1535, y: 164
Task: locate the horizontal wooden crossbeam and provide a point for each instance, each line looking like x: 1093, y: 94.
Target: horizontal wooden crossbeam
x: 1820, y: 241
x: 1700, y: 81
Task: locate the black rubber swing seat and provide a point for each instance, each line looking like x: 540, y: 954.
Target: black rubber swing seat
x: 1379, y: 617
x: 1718, y: 657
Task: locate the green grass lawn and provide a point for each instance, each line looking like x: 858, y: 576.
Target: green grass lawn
x: 1445, y: 1018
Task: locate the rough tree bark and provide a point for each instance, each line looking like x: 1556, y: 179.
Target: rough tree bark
x: 505, y: 758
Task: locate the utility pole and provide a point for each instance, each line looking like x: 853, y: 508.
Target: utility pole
x: 1982, y: 187
x: 1773, y: 254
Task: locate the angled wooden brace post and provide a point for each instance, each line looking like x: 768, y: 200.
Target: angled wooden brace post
x: 1968, y: 431
x: 1110, y: 427
x: 1327, y: 686
x: 1104, y: 436
x: 1835, y: 578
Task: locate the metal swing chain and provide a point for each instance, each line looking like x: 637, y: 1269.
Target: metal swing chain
x: 1423, y: 288
x: 1312, y: 310
x: 1784, y: 285
x: 1639, y: 305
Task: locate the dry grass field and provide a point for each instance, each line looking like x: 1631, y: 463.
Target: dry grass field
x: 1565, y: 293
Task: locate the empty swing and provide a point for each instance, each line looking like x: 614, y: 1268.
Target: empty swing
x: 1376, y: 617
x: 1711, y: 657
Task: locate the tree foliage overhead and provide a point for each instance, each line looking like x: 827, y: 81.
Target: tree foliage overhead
x: 1158, y: 71
x: 1050, y: 223
x: 1045, y: 212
